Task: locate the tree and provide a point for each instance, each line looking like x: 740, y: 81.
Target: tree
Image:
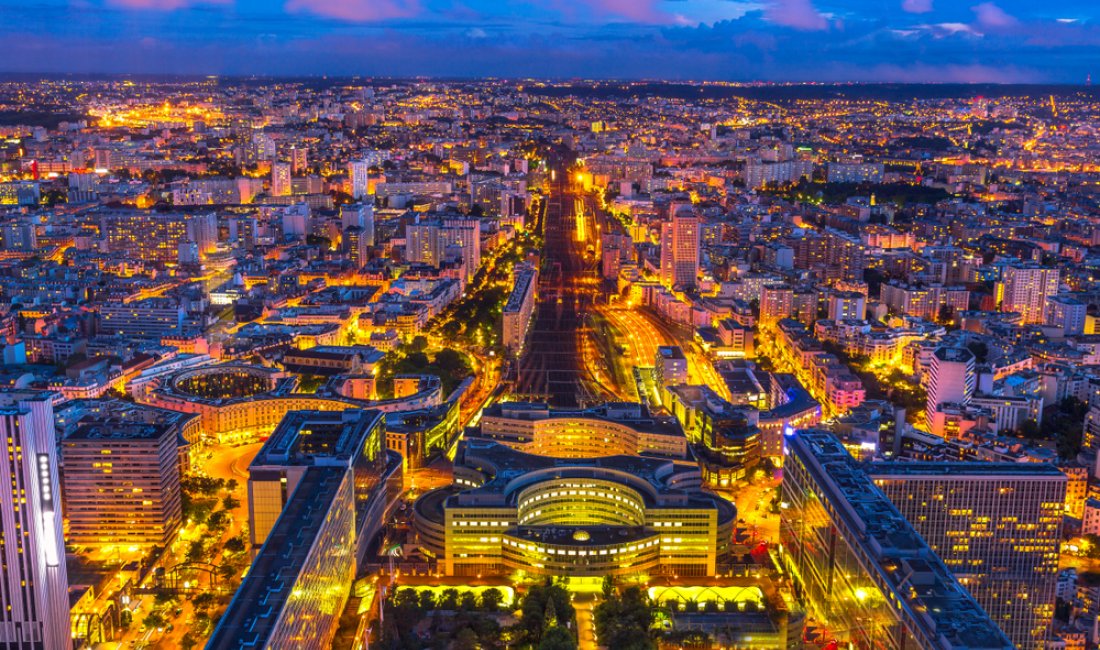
x: 491, y: 599
x: 549, y: 616
x: 195, y: 552
x: 468, y: 601
x: 624, y: 623
x: 427, y: 600
x: 448, y: 599
x: 154, y: 620
x: 218, y: 521
x: 163, y: 597
x: 1030, y: 430
x: 946, y: 314
x: 234, y: 545
x: 407, y: 598
x: 534, y: 608
x: 557, y: 638
x: 205, y: 600
x: 980, y: 350
x: 419, y: 343
x: 231, y: 502
x: 608, y: 587
x: 466, y: 639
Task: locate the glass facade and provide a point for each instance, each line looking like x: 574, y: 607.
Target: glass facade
x: 864, y: 575
x: 997, y: 526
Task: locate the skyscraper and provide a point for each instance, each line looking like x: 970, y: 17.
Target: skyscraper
x: 299, y: 159
x: 280, y: 179
x: 951, y: 380
x: 680, y: 249
x: 358, y: 174
x: 355, y: 246
x: 1024, y: 289
x: 422, y: 243
x: 35, y: 595
x: 862, y: 571
x: 360, y: 215
x: 997, y: 526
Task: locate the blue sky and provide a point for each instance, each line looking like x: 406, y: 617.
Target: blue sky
x: 742, y: 40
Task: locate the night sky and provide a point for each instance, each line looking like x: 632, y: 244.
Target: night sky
x: 771, y: 40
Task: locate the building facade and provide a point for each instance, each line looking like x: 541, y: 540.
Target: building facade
x: 859, y: 568
x: 613, y: 515
x: 122, y: 475
x: 35, y: 595
x: 997, y: 527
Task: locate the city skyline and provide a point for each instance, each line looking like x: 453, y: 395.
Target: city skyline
x: 338, y: 362
x: 1001, y: 41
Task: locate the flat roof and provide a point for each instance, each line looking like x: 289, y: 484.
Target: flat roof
x: 963, y: 469
x: 932, y: 601
x: 119, y: 430
x: 304, y: 436
x: 258, y: 604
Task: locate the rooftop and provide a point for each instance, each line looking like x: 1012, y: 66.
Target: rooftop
x: 257, y: 606
x: 305, y: 437
x: 929, y: 598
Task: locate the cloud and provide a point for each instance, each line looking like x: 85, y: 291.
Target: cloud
x: 163, y: 5
x: 638, y: 11
x: 797, y: 14
x: 922, y: 73
x: 358, y: 11
x: 916, y: 6
x: 992, y: 16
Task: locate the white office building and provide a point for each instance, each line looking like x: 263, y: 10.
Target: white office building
x: 35, y: 594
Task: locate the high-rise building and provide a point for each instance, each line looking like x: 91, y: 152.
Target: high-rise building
x: 427, y: 242
x: 148, y: 318
x: 846, y: 305
x: 997, y: 527
x: 422, y: 243
x: 359, y: 179
x: 1024, y: 289
x: 122, y: 474
x: 680, y: 249
x: 776, y: 303
x: 951, y: 380
x: 860, y: 568
x: 300, y: 580
x: 357, y: 249
x: 844, y: 255
x: 352, y: 440
x: 360, y: 215
x: 670, y: 366
x: 35, y: 595
x: 280, y: 179
x: 203, y: 230
x: 1066, y: 313
x: 155, y: 237
x: 299, y: 159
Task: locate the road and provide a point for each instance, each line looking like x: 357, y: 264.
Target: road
x: 219, y: 462
x: 552, y: 368
x: 583, y: 604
